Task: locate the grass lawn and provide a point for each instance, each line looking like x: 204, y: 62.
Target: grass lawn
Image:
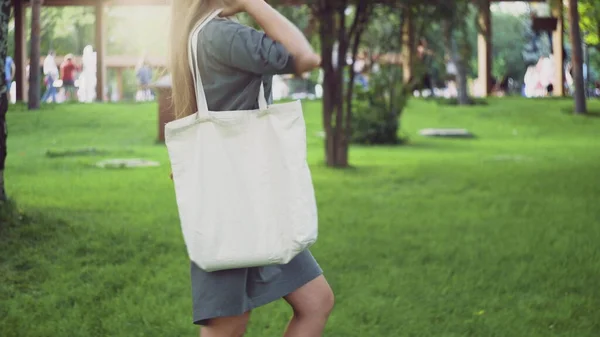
x: 493, y: 236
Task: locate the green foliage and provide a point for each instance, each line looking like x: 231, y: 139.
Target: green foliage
x: 589, y: 11
x: 511, y: 33
x: 508, y: 44
x: 384, y: 32
x: 66, y: 29
x: 377, y: 110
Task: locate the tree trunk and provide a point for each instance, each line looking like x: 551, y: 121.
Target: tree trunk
x: 333, y: 109
x: 34, y: 56
x: 326, y: 34
x: 337, y: 98
x: 4, y: 19
x: 341, y: 144
x: 577, y: 59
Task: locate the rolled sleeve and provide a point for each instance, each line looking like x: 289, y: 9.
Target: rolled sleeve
x: 247, y: 49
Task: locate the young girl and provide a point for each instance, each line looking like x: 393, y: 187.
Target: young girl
x: 234, y: 60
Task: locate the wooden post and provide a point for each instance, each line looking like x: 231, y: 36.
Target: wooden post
x: 34, y: 56
x: 100, y: 52
x: 408, y: 46
x: 558, y: 45
x: 484, y: 47
x: 119, y: 75
x: 20, y: 51
x: 163, y: 88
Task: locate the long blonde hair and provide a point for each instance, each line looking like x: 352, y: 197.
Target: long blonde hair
x: 184, y: 16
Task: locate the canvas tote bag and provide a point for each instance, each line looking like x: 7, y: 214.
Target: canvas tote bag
x: 242, y: 183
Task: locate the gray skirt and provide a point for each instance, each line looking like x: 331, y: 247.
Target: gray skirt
x: 236, y: 291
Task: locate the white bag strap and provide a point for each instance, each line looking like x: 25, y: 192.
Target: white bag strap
x: 202, y: 104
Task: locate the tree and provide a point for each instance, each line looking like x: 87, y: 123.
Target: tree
x: 577, y: 58
x: 34, y: 56
x: 378, y: 106
x: 342, y: 24
x: 457, y: 43
x: 336, y: 35
x: 5, y: 6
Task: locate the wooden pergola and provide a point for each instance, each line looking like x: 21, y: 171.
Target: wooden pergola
x: 484, y: 40
x: 484, y: 43
x: 99, y: 43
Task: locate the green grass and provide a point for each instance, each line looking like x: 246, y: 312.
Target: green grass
x: 493, y: 236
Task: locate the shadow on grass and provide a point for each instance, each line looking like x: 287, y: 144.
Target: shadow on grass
x: 454, y: 101
x: 53, y: 153
x: 43, y: 250
x: 591, y: 113
x: 18, y: 228
x: 28, y: 241
x: 9, y: 215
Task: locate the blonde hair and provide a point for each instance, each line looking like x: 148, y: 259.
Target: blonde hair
x: 184, y: 16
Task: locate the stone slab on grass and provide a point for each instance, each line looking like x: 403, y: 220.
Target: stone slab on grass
x: 126, y: 163
x: 449, y: 133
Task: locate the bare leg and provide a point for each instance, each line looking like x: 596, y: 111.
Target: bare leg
x: 234, y: 326
x: 312, y: 304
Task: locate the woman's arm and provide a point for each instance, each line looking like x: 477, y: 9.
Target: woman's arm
x: 280, y: 29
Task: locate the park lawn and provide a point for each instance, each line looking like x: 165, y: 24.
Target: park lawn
x: 493, y: 236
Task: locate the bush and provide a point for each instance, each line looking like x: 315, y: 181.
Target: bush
x: 377, y: 110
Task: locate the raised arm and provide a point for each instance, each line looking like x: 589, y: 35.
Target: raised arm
x: 280, y: 29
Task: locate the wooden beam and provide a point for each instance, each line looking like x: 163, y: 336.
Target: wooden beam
x: 119, y: 73
x: 484, y: 47
x: 558, y: 46
x: 100, y: 52
x: 139, y: 2
x: 20, y: 52
x: 63, y: 3
x: 93, y: 3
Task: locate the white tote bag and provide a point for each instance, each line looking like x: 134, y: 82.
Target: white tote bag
x: 242, y: 183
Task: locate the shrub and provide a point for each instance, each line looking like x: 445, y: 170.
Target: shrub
x: 377, y: 109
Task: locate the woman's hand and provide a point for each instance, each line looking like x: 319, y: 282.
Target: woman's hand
x: 233, y: 7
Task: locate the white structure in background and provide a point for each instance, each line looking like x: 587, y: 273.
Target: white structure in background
x: 539, y: 77
x: 87, y: 80
x: 280, y: 89
x: 531, y: 82
x: 13, y: 93
x: 114, y: 92
x: 546, y: 70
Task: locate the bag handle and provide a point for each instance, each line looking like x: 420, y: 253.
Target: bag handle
x: 201, y: 102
